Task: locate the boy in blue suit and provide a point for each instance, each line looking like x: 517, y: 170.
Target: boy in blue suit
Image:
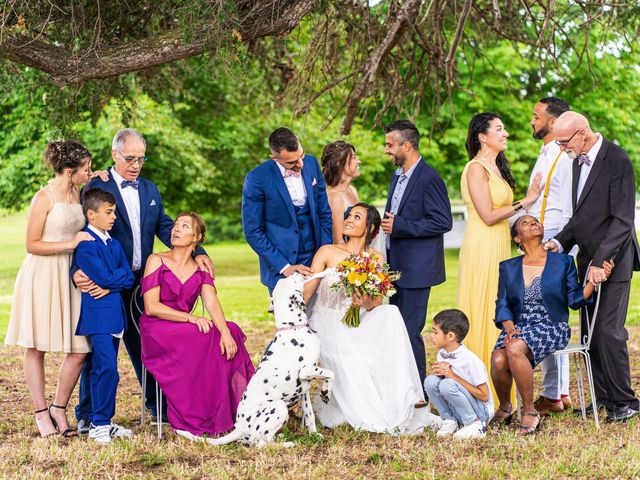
x: 102, y: 316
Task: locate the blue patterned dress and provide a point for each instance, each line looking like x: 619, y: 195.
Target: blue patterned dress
x: 542, y: 335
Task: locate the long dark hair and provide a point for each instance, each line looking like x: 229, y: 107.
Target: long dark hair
x: 373, y: 218
x: 334, y: 159
x: 480, y: 124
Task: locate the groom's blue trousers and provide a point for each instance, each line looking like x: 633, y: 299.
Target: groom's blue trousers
x: 412, y: 303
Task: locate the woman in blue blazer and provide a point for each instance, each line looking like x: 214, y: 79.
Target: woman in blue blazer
x: 535, y: 292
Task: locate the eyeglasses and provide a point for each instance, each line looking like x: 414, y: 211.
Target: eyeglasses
x: 131, y: 160
x: 564, y: 143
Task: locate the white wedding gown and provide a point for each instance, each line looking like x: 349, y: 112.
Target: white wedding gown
x: 376, y: 379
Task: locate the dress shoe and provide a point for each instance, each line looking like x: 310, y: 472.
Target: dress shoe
x: 589, y: 409
x: 544, y: 406
x: 621, y: 414
x: 84, y: 425
x: 566, y: 402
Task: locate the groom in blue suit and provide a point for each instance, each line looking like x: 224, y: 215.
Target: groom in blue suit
x: 285, y: 213
x: 140, y: 217
x: 417, y: 216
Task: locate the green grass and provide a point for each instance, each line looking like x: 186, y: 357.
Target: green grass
x: 566, y: 447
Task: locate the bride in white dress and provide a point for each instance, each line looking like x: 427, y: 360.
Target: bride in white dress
x: 376, y: 387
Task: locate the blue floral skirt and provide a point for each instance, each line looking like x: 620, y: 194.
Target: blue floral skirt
x: 543, y: 337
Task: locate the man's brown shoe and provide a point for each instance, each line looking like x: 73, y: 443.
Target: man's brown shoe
x: 544, y: 406
x: 567, y: 403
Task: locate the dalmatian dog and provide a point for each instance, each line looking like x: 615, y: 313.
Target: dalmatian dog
x: 284, y: 374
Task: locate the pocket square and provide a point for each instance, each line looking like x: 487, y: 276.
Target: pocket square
x: 153, y: 202
x: 314, y: 182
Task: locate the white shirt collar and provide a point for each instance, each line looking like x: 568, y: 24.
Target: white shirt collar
x: 102, y: 236
x: 400, y: 171
x: 461, y: 348
x: 549, y: 147
x: 593, y: 152
x: 116, y: 176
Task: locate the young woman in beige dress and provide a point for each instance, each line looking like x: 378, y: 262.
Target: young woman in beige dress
x: 46, y: 305
x: 486, y: 186
x: 340, y: 166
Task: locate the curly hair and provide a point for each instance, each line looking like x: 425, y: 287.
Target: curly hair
x: 63, y: 154
x: 334, y: 159
x: 480, y: 124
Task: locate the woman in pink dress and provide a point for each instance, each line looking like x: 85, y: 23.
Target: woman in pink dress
x: 201, y: 364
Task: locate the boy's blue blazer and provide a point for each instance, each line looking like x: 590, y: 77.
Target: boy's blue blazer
x: 108, y: 267
x: 559, y: 283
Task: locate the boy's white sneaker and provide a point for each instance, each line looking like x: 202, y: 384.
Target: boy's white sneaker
x: 119, y: 431
x: 100, y: 434
x: 434, y: 422
x: 448, y: 427
x: 474, y: 430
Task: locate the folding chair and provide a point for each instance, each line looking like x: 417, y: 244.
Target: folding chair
x: 159, y: 394
x: 580, y: 349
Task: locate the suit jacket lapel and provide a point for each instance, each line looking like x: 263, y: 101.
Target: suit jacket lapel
x: 411, y: 184
x: 121, y: 210
x: 519, y: 280
x: 105, y: 251
x: 574, y: 184
x: 596, y: 168
x: 282, y: 188
x: 392, y: 187
x: 144, y: 201
x: 306, y: 177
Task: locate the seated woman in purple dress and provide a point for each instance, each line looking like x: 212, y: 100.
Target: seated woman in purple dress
x: 201, y: 364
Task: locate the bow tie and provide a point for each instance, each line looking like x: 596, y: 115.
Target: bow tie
x: 584, y: 159
x: 291, y: 173
x: 448, y: 356
x: 129, y: 183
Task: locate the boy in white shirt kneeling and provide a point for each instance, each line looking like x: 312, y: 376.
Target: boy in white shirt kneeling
x: 458, y: 385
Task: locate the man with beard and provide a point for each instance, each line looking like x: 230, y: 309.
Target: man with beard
x: 602, y: 225
x: 553, y: 209
x: 417, y: 216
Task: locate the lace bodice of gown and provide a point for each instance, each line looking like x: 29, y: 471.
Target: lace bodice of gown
x: 328, y: 299
x: 63, y: 222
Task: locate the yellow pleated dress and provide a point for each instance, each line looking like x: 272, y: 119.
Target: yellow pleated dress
x: 483, y: 248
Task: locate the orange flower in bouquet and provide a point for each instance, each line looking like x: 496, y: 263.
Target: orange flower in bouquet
x: 365, y: 274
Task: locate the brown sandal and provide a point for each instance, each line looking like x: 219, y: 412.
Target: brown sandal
x: 503, y: 420
x: 529, y: 429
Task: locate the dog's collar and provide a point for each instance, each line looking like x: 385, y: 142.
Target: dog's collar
x: 293, y: 327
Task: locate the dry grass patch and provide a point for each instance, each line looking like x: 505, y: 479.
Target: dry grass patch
x: 565, y: 447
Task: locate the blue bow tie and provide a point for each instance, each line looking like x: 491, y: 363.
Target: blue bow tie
x: 447, y: 356
x: 584, y: 159
x: 129, y: 183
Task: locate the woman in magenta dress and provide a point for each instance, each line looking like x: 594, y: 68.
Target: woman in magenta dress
x: 201, y: 364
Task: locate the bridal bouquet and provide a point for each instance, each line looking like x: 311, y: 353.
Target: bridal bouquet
x: 365, y: 274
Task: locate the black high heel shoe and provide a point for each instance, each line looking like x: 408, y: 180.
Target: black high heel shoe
x: 505, y: 420
x: 41, y: 426
x: 69, y: 432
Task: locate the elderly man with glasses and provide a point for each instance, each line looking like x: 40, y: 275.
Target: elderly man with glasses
x: 140, y: 217
x: 602, y: 225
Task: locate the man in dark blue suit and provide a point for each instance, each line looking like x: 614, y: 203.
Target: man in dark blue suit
x: 285, y: 213
x: 140, y: 218
x: 417, y: 216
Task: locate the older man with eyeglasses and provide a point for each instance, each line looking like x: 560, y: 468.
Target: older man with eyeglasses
x: 602, y: 225
x: 140, y: 217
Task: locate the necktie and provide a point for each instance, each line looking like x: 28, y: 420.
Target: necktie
x: 129, y: 183
x: 447, y: 356
x: 584, y: 159
x: 291, y: 173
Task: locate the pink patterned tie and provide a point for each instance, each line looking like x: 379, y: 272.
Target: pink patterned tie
x: 291, y: 173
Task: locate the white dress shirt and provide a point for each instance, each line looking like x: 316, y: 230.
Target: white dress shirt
x: 131, y: 200
x: 559, y: 209
x: 586, y: 169
x: 104, y: 236
x: 295, y: 185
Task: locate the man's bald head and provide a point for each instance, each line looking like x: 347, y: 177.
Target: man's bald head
x: 570, y: 122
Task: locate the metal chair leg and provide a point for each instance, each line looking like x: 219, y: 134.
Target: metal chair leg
x: 144, y: 393
x: 581, y: 393
x: 592, y: 389
x: 159, y: 410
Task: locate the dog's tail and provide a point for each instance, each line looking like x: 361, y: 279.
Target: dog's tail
x: 230, y: 437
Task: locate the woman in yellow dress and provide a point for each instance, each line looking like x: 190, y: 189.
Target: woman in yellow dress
x: 487, y: 190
